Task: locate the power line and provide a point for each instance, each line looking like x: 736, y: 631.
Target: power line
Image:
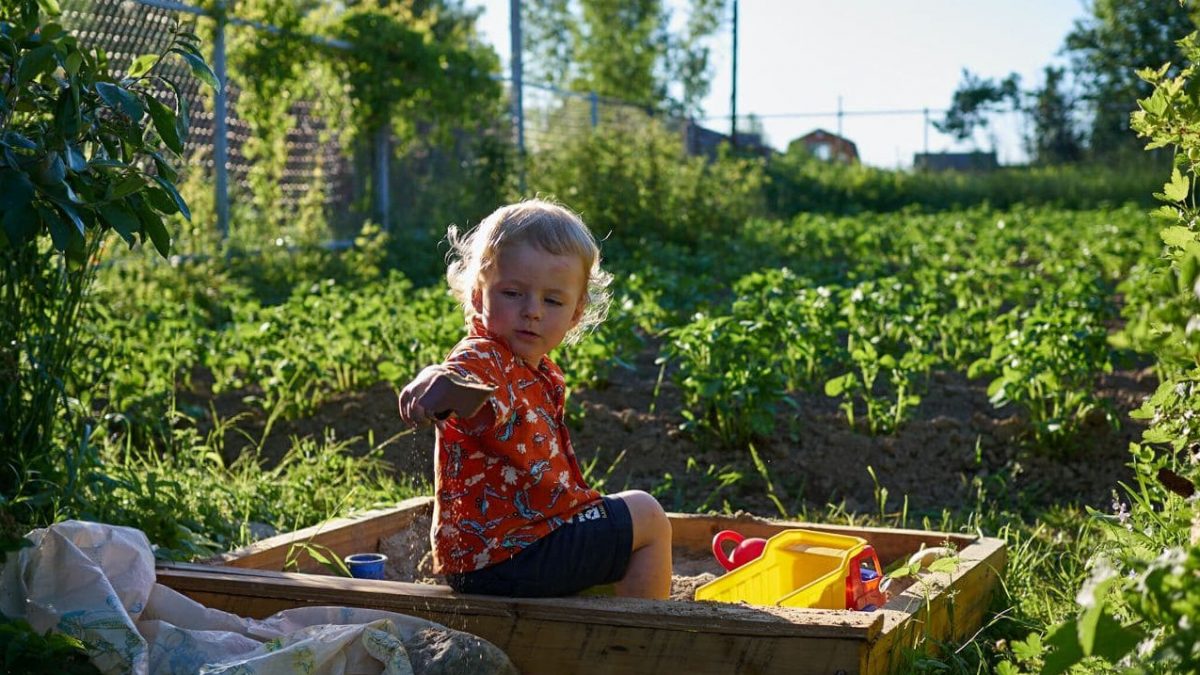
x: 835, y: 113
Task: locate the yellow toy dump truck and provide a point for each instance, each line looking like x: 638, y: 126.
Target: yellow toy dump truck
x: 804, y: 568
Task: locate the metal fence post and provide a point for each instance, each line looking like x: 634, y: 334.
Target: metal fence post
x: 220, y: 143
x: 595, y: 100
x: 518, y: 103
x: 383, y: 157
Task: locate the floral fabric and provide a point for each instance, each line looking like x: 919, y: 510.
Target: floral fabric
x: 507, y: 476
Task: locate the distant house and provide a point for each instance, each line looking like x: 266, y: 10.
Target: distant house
x: 702, y: 141
x: 955, y: 161
x: 828, y: 146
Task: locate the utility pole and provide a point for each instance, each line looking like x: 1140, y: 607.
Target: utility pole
x: 733, y: 92
x: 839, y: 115
x: 518, y: 107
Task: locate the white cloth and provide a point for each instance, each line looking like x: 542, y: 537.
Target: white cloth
x: 96, y: 583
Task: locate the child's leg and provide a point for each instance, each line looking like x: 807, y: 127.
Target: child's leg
x: 649, y: 571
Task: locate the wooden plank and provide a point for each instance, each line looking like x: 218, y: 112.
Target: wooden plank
x: 409, y: 598
x: 691, y: 532
x: 354, y: 534
x: 582, y: 635
x: 940, y: 608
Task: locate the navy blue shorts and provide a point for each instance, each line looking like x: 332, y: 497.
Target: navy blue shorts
x: 590, y: 549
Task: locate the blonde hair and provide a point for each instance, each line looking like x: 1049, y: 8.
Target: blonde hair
x: 546, y: 225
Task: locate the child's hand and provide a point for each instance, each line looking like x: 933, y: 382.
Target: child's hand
x: 437, y: 392
x: 412, y: 412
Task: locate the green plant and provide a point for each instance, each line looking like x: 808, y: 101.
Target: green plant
x: 83, y: 154
x: 1142, y: 592
x: 726, y: 372
x: 28, y: 652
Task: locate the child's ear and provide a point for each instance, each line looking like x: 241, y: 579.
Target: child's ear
x: 477, y: 299
x: 580, y: 307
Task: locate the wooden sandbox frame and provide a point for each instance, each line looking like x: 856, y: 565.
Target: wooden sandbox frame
x: 620, y: 635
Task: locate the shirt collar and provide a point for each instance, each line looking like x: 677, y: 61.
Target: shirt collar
x: 477, y: 329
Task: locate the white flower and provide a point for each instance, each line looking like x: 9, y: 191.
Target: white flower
x: 482, y: 559
x: 510, y: 475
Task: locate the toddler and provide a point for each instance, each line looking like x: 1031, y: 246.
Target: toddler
x: 513, y: 515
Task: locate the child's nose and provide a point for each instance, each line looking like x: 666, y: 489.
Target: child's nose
x: 532, y: 308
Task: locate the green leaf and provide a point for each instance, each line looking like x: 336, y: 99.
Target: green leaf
x: 16, y: 190
x: 1064, y: 640
x: 16, y: 140
x: 151, y: 220
x: 35, y: 63
x: 72, y: 214
x: 836, y: 386
x: 141, y: 65
x: 121, y: 219
x: 154, y: 227
x: 1007, y: 668
x: 164, y: 167
x: 199, y: 68
x: 60, y: 231
x: 1177, y: 236
x: 1177, y: 190
x: 164, y: 123
x: 50, y: 7
x: 50, y: 171
x: 174, y: 195
x: 1086, y: 624
x: 120, y: 99
x: 1028, y: 649
x: 21, y: 223
x: 74, y: 61
x: 947, y: 564
x: 127, y: 186
x: 75, y: 160
x: 1114, y: 641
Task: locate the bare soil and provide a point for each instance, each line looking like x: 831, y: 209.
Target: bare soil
x: 958, y: 448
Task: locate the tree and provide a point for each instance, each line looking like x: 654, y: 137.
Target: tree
x: 622, y: 49
x: 974, y: 99
x: 1106, y: 50
x: 1056, y: 138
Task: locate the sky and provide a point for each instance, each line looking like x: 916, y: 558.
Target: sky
x: 797, y: 58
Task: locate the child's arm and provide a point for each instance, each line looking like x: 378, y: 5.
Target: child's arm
x: 437, y: 392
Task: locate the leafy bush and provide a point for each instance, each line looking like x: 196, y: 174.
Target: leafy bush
x: 1142, y: 592
x: 638, y: 183
x: 84, y: 154
x: 798, y: 182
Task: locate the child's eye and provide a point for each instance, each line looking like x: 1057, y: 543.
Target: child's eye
x: 554, y: 301
x: 510, y: 293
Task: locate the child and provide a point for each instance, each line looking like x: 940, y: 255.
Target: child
x: 513, y: 514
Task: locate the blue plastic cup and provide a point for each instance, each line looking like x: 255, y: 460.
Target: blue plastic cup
x: 366, y: 565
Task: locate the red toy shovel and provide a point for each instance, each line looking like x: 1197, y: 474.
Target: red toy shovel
x: 744, y: 550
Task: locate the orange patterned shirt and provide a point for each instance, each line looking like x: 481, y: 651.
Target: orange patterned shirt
x: 507, y: 476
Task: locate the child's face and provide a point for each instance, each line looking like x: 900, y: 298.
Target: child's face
x: 531, y: 298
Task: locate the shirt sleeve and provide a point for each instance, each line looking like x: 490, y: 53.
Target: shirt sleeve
x: 480, y: 361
